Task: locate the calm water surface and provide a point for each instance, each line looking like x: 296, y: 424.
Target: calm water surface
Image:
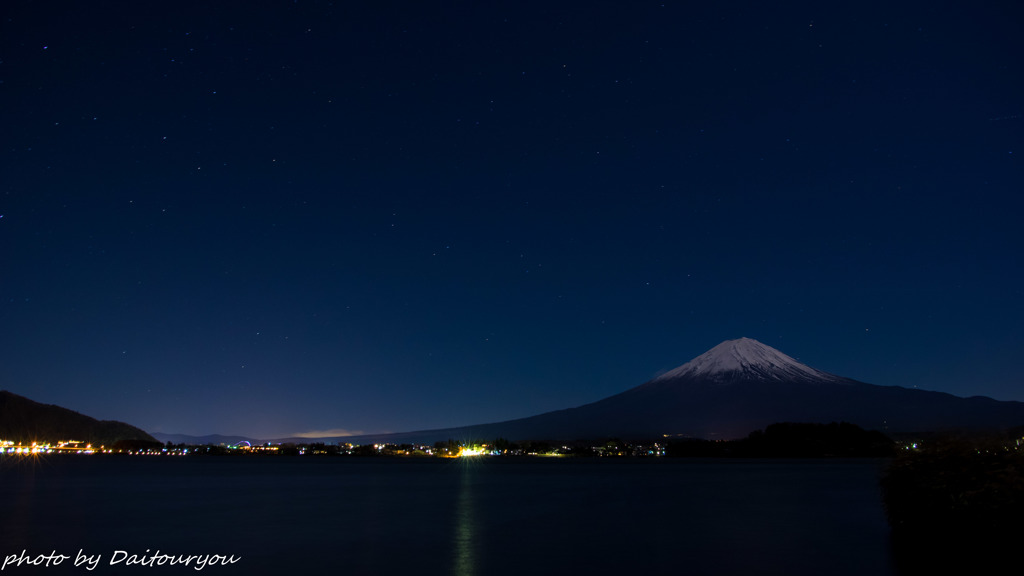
x: 487, y: 516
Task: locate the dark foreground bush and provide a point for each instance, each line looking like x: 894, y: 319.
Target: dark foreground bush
x: 793, y: 440
x: 956, y: 504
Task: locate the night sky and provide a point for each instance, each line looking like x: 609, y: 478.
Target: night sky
x: 273, y: 218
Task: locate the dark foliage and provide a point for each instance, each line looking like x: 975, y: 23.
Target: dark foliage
x: 793, y: 440
x: 134, y: 445
x: 801, y: 440
x: 956, y: 503
x: 956, y: 483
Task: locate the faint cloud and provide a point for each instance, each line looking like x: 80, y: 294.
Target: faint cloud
x: 326, y: 433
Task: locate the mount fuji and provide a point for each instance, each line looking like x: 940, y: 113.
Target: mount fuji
x: 733, y: 389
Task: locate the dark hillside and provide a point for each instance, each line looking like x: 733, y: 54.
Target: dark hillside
x: 24, y: 420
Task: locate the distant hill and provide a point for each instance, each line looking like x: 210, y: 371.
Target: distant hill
x: 24, y: 420
x: 211, y: 439
x: 733, y: 389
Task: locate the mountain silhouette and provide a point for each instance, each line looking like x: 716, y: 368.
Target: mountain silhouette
x: 733, y: 389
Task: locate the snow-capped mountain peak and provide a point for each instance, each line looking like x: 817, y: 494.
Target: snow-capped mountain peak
x: 746, y: 358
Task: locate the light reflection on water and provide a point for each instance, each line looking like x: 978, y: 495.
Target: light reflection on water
x: 482, y: 516
x: 465, y: 525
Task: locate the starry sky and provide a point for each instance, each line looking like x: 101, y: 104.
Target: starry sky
x: 276, y: 218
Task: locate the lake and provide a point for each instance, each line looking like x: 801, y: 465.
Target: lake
x: 488, y: 516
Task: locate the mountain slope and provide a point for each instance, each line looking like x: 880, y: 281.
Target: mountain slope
x: 24, y: 420
x: 737, y: 387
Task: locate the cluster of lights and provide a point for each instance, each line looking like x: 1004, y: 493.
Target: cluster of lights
x: 34, y: 449
x: 245, y: 446
x: 10, y: 447
x: 465, y: 451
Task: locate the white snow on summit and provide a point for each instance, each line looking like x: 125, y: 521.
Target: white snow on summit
x: 749, y: 358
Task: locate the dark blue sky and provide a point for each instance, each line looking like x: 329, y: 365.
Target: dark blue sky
x: 268, y: 218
